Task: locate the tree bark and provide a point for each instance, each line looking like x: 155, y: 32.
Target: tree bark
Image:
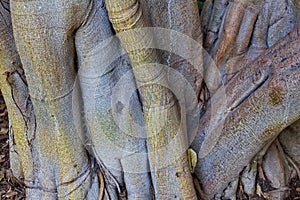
x: 114, y: 146
x: 46, y: 47
x: 233, y: 49
x: 248, y: 120
x: 159, y: 104
x: 56, y: 116
x: 15, y: 92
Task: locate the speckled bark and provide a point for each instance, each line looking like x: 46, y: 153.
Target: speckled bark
x: 241, y: 109
x: 171, y: 181
x: 114, y: 146
x: 15, y: 92
x: 253, y: 100
x: 233, y: 126
x: 45, y: 42
x: 184, y: 18
x: 237, y: 32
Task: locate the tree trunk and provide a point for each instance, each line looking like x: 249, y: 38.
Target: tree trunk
x: 171, y: 179
x: 59, y: 165
x: 240, y: 120
x: 247, y: 121
x: 113, y: 145
x: 76, y: 99
x: 15, y: 92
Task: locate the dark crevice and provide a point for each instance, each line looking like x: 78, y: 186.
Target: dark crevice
x: 9, y: 185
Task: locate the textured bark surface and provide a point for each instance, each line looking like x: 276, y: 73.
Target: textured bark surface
x: 235, y: 41
x: 21, y: 114
x: 297, y: 4
x: 114, y: 146
x: 159, y: 103
x: 251, y: 117
x: 237, y: 32
x: 184, y: 18
x: 56, y: 116
x: 45, y: 42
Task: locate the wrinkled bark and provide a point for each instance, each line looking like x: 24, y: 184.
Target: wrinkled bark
x: 114, y: 146
x: 46, y: 47
x: 251, y: 118
x: 235, y: 42
x: 237, y: 32
x: 103, y: 139
x: 15, y: 92
x: 161, y: 109
x: 253, y: 83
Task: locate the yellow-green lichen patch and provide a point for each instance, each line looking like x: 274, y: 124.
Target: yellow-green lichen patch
x: 275, y: 98
x: 270, y: 131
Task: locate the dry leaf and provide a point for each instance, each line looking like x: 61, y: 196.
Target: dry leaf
x: 3, y: 131
x: 2, y: 158
x: 192, y: 159
x: 10, y: 194
x: 4, y: 113
x: 2, y: 107
x: 260, y: 193
x: 101, y: 195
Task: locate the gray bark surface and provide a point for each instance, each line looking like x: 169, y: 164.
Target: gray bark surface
x: 60, y: 76
x: 45, y: 43
x: 237, y: 41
